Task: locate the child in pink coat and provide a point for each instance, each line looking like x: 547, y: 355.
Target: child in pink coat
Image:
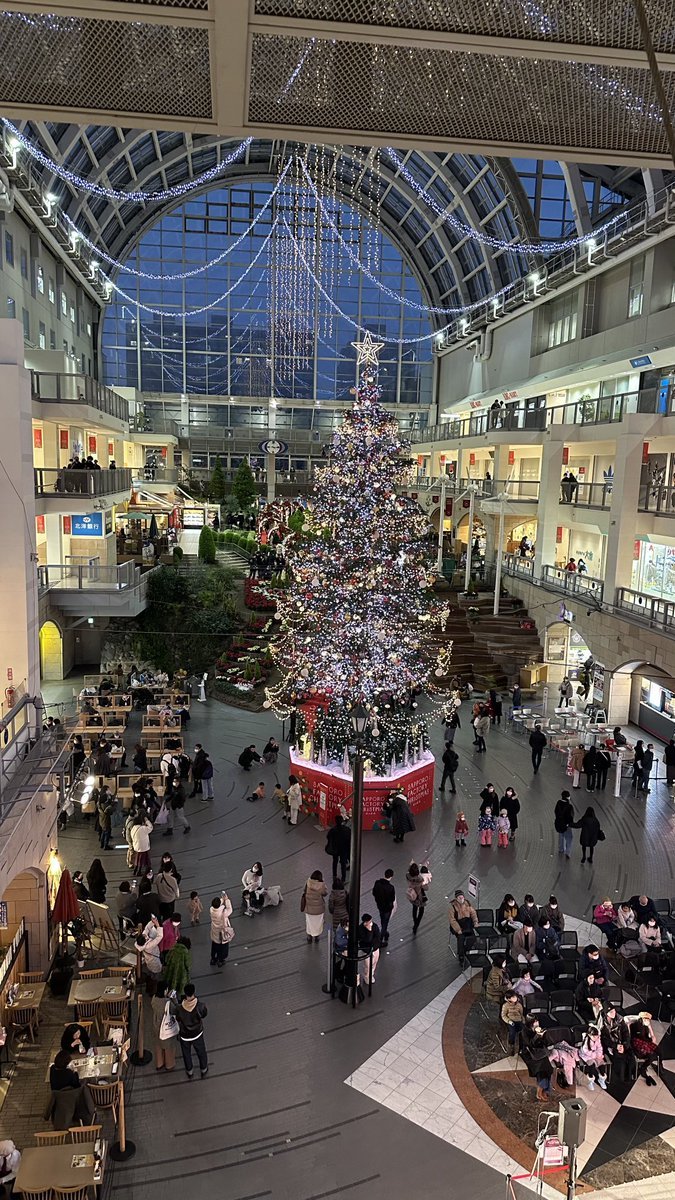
x: 486, y: 827
x: 503, y: 828
x: 461, y: 829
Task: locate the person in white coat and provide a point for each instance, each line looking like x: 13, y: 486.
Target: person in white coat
x: 140, y: 843
x: 294, y: 799
x: 221, y: 930
x: 148, y: 945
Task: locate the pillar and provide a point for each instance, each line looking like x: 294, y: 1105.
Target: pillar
x: 548, y: 515
x: 625, y: 496
x: 19, y: 649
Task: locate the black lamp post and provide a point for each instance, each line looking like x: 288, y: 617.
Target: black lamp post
x: 350, y: 992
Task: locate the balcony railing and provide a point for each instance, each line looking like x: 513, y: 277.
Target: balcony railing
x: 555, y: 579
x: 657, y: 499
x: 657, y: 613
x: 53, y: 481
x: 515, y: 489
x: 88, y: 576
x: 586, y: 495
x: 52, y: 388
x: 518, y: 416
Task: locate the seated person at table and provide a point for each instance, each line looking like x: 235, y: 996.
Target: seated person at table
x: 72, y: 1099
x: 75, y: 1040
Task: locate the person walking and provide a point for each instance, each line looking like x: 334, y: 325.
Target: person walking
x: 516, y: 697
x: 338, y: 902
x: 165, y: 1048
x: 402, y: 821
x: 294, y: 799
x: 564, y: 823
x: 538, y: 743
x: 669, y: 760
x: 313, y: 904
x: 452, y: 724
x: 416, y: 893
x: 384, y: 895
x: 481, y: 726
x: 590, y: 835
x: 190, y: 1014
x: 566, y: 690
x: 175, y: 806
x: 577, y: 765
x: 511, y: 803
x: 222, y: 932
x: 338, y: 845
x: 450, y: 764
x: 590, y: 763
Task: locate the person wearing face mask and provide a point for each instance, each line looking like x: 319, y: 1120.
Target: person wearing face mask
x: 535, y: 1056
x: 507, y: 915
x: 649, y: 935
x: 555, y: 914
x: 529, y: 913
x: 511, y: 803
x: 591, y: 963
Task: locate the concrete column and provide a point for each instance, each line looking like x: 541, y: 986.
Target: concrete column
x: 625, y: 495
x: 618, y: 699
x: 19, y: 621
x: 549, y: 498
x: 501, y: 468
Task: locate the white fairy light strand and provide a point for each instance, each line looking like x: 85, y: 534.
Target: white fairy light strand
x: 486, y: 239
x: 86, y: 185
x: 193, y: 312
x: 213, y: 262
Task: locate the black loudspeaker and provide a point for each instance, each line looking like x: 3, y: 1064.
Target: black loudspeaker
x: 572, y: 1122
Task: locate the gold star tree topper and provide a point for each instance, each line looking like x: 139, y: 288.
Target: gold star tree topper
x: 367, y: 350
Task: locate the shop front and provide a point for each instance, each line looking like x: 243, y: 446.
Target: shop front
x: 653, y: 571
x: 655, y: 700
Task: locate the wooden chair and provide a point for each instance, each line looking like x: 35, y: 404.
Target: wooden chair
x: 25, y: 1018
x: 57, y: 1137
x: 119, y: 972
x: 105, y: 1095
x: 88, y: 1010
x: 98, y: 974
x: 70, y: 1193
x: 85, y: 1133
x: 114, y: 1014
x: 86, y: 1025
x: 31, y: 977
x: 45, y: 1194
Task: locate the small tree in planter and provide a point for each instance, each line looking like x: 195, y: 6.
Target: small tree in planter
x: 243, y: 486
x: 217, y: 483
x: 207, y: 545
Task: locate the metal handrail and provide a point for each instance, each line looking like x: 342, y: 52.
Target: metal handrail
x: 55, y: 481
x: 61, y: 388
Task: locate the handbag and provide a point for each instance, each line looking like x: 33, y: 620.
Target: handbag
x: 227, y: 935
x: 163, y: 815
x: 169, y: 1025
x: 411, y: 894
x: 303, y: 901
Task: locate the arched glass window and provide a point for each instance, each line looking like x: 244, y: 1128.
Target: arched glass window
x: 274, y: 333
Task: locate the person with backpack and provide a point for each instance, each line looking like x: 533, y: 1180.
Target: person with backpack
x: 450, y: 765
x: 175, y: 803
x: 168, y: 767
x: 190, y: 1014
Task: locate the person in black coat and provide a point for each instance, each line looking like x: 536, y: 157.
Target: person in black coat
x: 98, y: 881
x: 564, y: 820
x: 538, y: 743
x: 489, y: 799
x: 198, y: 764
x: 590, y: 768
x: 511, y: 803
x: 384, y: 894
x: 603, y: 761
x: 79, y: 886
x: 248, y: 756
x: 396, y: 808
x: 591, y: 834
x: 450, y: 765
x: 338, y: 844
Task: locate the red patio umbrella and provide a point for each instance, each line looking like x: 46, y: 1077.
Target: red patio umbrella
x: 66, y: 905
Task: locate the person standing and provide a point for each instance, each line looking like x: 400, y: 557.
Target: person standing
x: 165, y: 1048
x: 402, y: 821
x: 338, y: 845
x: 566, y: 692
x: 564, y: 819
x: 461, y: 829
x: 603, y: 761
x: 313, y: 905
x: 590, y: 764
x: 338, y: 903
x: 590, y: 835
x: 481, y: 726
x: 511, y: 803
x: 503, y: 828
x: 384, y: 894
x: 207, y: 778
x: 222, y: 932
x: 452, y: 724
x: 369, y: 940
x: 190, y: 1014
x: 294, y: 799
x: 516, y: 697
x: 577, y: 765
x: 175, y: 806
x: 646, y: 768
x: 197, y: 766
x: 450, y: 765
x: 168, y: 892
x: 538, y: 743
x: 486, y: 826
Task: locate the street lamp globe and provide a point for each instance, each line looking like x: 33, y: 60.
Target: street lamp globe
x: 359, y: 718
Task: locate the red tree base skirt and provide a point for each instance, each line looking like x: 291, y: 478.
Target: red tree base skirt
x: 326, y: 788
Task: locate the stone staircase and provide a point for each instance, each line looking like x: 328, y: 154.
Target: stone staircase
x: 226, y: 557
x: 490, y: 652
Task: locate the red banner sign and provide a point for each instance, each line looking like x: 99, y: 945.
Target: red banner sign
x: 40, y: 524
x: 37, y: 439
x: 64, y: 439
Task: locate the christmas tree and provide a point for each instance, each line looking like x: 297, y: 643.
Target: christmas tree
x: 356, y: 619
